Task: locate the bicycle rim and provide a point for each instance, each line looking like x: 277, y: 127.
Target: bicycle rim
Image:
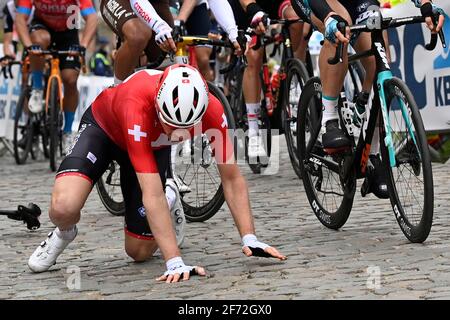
x: 109, y: 190
x: 330, y: 196
x: 410, y: 180
x: 23, y: 129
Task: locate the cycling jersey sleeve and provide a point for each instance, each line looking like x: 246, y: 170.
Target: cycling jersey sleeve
x: 225, y: 17
x: 24, y: 7
x: 86, y: 7
x: 215, y: 125
x: 320, y: 8
x: 147, y: 13
x: 137, y: 133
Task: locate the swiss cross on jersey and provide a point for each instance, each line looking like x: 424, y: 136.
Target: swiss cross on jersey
x: 137, y: 133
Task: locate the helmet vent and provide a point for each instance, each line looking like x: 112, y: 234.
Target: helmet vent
x: 175, y: 96
x: 195, y: 102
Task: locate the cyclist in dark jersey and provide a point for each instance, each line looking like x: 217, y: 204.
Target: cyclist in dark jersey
x: 135, y: 123
x: 325, y: 15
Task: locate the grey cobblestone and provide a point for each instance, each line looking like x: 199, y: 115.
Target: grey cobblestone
x: 321, y: 263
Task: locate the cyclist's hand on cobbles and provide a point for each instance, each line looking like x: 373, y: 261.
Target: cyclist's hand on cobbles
x: 332, y: 32
x: 259, y: 22
x: 177, y: 270
x: 164, y: 39
x: 35, y: 49
x: 253, y: 247
x: 429, y: 11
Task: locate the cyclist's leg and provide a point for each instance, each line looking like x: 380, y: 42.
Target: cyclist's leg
x: 134, y: 34
x: 140, y: 244
x: 86, y: 161
x: 299, y: 43
x: 199, y: 24
x: 70, y: 70
x: 332, y: 77
x: 40, y: 35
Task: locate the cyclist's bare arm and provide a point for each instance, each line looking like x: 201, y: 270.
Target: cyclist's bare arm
x: 236, y: 195
x: 147, y: 13
x: 158, y: 215
x: 22, y: 29
x: 186, y: 9
x: 7, y: 43
x: 89, y: 29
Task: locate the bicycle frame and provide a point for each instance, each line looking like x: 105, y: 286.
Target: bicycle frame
x: 54, y: 74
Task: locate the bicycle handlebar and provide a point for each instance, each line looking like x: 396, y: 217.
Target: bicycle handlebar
x: 6, y: 70
x: 203, y: 41
x: 388, y: 23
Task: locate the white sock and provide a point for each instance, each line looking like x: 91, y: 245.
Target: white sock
x: 329, y: 108
x: 171, y: 196
x: 68, y: 234
x: 117, y: 81
x: 252, y: 116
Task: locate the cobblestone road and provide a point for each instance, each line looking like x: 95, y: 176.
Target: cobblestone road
x: 322, y: 263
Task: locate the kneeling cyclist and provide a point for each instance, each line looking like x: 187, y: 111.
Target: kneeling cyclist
x: 325, y: 15
x: 130, y: 124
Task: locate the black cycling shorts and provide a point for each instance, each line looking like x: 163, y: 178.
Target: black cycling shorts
x: 354, y: 7
x: 90, y: 155
x: 199, y: 22
x: 60, y: 40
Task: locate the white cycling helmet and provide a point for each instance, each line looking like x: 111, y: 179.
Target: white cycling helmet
x: 182, y: 96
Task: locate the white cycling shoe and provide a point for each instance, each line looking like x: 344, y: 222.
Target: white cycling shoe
x: 177, y: 213
x: 46, y: 254
x: 256, y: 147
x: 36, y: 102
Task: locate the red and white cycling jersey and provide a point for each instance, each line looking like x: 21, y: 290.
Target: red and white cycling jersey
x: 55, y: 14
x: 127, y: 113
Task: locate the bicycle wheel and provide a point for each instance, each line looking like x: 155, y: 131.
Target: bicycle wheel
x: 297, y: 75
x: 109, y: 190
x: 329, y: 189
x: 200, y: 176
x: 23, y: 128
x: 410, y: 181
x: 55, y: 122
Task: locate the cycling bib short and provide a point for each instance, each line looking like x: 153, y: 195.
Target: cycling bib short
x: 354, y: 7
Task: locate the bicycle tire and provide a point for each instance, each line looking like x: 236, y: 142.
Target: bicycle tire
x: 55, y: 124
x: 396, y: 88
x: 295, y: 67
x: 21, y: 152
x: 206, y: 211
x: 309, y: 108
x: 116, y: 208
